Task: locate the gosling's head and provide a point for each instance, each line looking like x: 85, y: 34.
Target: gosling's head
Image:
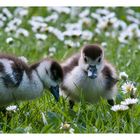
x: 91, y: 60
x: 51, y: 75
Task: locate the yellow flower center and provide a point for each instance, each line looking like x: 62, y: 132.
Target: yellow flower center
x: 66, y: 126
x: 129, y: 88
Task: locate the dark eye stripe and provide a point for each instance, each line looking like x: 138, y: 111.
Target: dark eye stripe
x: 47, y: 71
x: 56, y: 71
x: 99, y: 60
x: 85, y: 59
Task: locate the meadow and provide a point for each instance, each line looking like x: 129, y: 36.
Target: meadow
x: 57, y: 33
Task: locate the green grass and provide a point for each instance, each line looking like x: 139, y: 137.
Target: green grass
x: 97, y: 118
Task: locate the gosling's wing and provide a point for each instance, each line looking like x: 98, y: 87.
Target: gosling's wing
x: 11, y: 72
x: 12, y: 80
x: 67, y: 66
x: 110, y: 76
x: 70, y: 63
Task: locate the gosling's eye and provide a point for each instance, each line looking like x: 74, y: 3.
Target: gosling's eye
x: 85, y: 59
x: 99, y: 60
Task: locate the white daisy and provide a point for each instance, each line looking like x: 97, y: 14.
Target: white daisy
x: 7, y: 13
x: 71, y: 33
x: 52, y: 49
x: 38, y: 24
x: 1, y: 23
x: 102, y: 24
x: 71, y: 131
x: 56, y: 32
x: 120, y: 25
x: 133, y: 19
x: 2, y: 17
x: 86, y: 21
x: 87, y: 35
x: 84, y: 13
x: 74, y: 26
x: 113, y: 20
x: 38, y: 19
x: 71, y: 44
x: 129, y: 101
x: 52, y: 18
x: 23, y: 32
x: 75, y: 11
x: 104, y: 44
x: 51, y: 54
x: 97, y: 31
x: 65, y: 126
x: 116, y: 108
x: 23, y: 58
x: 15, y: 22
x: 130, y: 11
x: 21, y: 11
x: 102, y: 11
x: 9, y: 40
x: 124, y: 37
x: 40, y: 36
x: 130, y: 32
x: 128, y: 87
x: 65, y: 10
x: 123, y: 75
x: 10, y: 28
x: 107, y: 34
x: 95, y: 16
x: 12, y: 108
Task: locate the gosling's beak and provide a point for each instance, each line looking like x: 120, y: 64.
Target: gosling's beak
x: 92, y: 72
x: 55, y: 92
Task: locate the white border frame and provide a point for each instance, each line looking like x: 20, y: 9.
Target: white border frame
x: 70, y: 136
x: 112, y: 3
x: 70, y: 3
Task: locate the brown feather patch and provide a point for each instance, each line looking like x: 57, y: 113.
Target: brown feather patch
x: 110, y: 81
x: 1, y: 67
x: 56, y: 71
x: 73, y: 63
x: 18, y: 64
x: 92, y: 51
